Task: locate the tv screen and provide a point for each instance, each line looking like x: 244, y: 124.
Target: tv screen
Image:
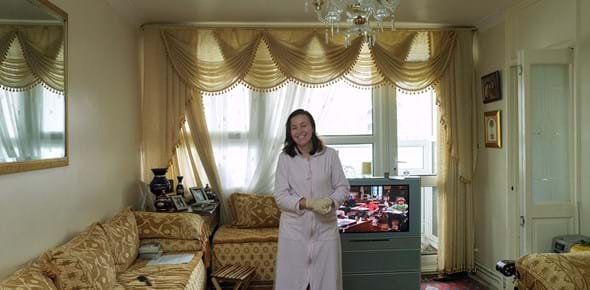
x: 375, y: 208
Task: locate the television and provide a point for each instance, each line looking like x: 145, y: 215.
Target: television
x: 382, y: 206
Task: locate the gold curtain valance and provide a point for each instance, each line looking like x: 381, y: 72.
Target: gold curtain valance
x: 215, y: 60
x: 30, y: 55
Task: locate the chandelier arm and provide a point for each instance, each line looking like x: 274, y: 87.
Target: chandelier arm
x: 358, y: 14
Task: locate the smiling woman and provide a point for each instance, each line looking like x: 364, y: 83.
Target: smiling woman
x: 32, y: 86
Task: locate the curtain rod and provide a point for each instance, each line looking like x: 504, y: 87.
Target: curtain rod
x: 398, y: 25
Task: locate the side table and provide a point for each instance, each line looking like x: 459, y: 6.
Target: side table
x: 241, y: 275
x: 210, y: 214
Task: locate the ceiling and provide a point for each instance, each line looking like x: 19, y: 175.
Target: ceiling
x: 22, y: 10
x: 433, y: 12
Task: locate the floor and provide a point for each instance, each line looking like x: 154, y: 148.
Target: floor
x: 458, y: 282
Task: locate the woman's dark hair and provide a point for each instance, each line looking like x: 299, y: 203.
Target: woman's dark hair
x: 289, y: 146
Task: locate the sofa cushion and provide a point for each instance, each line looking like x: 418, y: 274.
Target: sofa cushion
x: 254, y: 210
x: 182, y: 226
x: 175, y: 245
x: 85, y: 262
x: 192, y: 275
x: 29, y: 277
x: 123, y: 239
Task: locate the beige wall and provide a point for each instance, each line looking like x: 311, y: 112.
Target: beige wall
x: 42, y: 209
x: 534, y: 24
x: 582, y: 61
x: 490, y: 183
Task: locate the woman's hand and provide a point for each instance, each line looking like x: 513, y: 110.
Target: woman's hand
x: 321, y: 205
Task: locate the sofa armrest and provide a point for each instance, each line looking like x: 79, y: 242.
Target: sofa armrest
x: 178, y: 226
x: 553, y: 271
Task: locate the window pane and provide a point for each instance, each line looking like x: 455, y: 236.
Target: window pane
x: 415, y: 116
x: 234, y: 106
x: 416, y: 125
x: 429, y: 220
x: 550, y: 133
x: 352, y: 157
x: 413, y: 157
x: 342, y: 110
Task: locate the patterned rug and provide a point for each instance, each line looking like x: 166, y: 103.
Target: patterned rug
x: 458, y: 282
x: 455, y: 282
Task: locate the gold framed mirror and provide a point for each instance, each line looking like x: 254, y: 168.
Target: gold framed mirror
x: 33, y: 86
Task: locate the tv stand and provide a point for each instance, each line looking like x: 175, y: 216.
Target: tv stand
x: 386, y: 264
x: 384, y: 260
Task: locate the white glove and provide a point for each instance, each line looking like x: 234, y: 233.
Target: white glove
x: 320, y: 205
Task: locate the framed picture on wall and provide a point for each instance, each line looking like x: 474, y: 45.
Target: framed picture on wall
x: 490, y: 87
x: 493, y: 129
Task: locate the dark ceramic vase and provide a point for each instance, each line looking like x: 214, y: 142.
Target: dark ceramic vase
x: 163, y: 203
x: 179, y: 187
x: 160, y: 184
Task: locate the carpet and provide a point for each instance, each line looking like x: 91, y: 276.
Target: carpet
x: 429, y: 282
x: 456, y: 282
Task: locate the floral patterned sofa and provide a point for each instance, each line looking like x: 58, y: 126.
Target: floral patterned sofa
x: 550, y: 271
x: 104, y: 256
x: 251, y: 239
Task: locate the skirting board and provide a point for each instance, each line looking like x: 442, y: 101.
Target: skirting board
x: 491, y: 278
x: 429, y: 264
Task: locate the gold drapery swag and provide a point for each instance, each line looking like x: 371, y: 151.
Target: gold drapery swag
x: 30, y: 55
x: 182, y: 64
x: 214, y: 61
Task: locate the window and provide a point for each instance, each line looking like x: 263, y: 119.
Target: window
x: 31, y: 124
x: 382, y: 127
x: 394, y: 131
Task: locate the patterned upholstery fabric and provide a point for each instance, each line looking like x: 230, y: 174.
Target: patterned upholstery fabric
x: 554, y: 271
x: 254, y: 210
x: 182, y: 226
x: 29, y: 277
x: 249, y: 247
x: 174, y: 245
x: 85, y: 262
x: 123, y: 238
x: 190, y: 276
x: 179, y: 226
x: 229, y: 234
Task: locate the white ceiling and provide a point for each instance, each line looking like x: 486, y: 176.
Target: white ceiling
x: 436, y: 12
x: 22, y: 10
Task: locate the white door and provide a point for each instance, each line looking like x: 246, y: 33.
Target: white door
x: 547, y: 148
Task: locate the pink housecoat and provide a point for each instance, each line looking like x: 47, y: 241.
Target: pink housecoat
x: 309, y: 243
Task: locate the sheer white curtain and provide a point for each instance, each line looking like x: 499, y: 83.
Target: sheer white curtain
x: 247, y: 130
x: 29, y: 124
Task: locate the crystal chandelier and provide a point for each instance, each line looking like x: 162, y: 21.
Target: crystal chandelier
x: 358, y: 14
